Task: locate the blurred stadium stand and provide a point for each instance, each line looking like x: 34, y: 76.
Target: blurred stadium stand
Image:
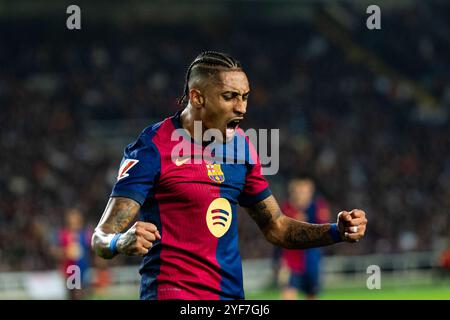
x: 364, y: 111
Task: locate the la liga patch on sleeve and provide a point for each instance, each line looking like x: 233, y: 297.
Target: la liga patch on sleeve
x: 125, y: 167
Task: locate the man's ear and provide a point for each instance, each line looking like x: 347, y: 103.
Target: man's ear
x: 196, y: 98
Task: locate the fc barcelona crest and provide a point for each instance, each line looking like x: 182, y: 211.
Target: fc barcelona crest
x: 215, y: 173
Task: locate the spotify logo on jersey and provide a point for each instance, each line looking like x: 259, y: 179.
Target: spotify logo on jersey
x: 219, y: 216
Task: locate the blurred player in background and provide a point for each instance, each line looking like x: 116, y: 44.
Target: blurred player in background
x: 72, y: 248
x: 101, y: 278
x: 303, y: 266
x: 187, y: 229
x: 444, y: 262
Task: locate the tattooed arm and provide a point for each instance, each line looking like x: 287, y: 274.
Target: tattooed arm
x: 118, y: 214
x: 293, y: 234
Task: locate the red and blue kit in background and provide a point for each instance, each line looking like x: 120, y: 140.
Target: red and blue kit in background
x: 76, y: 246
x: 193, y: 201
x: 304, y: 265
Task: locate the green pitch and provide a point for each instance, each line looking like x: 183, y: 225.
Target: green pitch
x: 406, y: 293
x: 436, y: 292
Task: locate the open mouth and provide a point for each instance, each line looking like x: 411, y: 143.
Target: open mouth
x: 234, y: 123
x: 232, y: 126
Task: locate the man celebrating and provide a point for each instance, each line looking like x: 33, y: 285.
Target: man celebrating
x: 187, y: 230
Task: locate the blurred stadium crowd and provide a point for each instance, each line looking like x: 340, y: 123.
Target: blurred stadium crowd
x: 358, y: 131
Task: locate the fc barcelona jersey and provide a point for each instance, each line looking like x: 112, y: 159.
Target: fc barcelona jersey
x: 192, y: 199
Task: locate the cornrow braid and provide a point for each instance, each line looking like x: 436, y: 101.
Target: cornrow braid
x: 208, y: 59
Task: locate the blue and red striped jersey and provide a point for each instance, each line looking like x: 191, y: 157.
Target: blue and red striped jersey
x: 193, y: 202
x: 301, y: 261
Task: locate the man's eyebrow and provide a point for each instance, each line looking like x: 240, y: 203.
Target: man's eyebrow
x: 236, y: 92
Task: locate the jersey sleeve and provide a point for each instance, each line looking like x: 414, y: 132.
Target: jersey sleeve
x: 256, y: 187
x: 139, y: 170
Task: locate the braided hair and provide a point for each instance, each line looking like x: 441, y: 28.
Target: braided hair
x: 208, y: 63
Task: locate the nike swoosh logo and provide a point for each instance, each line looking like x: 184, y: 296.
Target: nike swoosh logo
x: 179, y: 162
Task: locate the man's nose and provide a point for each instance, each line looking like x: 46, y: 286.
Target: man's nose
x: 240, y: 108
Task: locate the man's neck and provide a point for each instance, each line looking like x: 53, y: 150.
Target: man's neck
x: 187, y: 118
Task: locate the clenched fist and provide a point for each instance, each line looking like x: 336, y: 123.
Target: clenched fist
x: 352, y: 225
x: 138, y: 239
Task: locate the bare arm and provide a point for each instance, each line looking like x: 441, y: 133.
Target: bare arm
x: 118, y: 214
x: 293, y: 234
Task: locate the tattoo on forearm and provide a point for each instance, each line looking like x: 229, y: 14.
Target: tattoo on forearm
x: 118, y: 214
x: 261, y: 215
x: 126, y: 243
x: 265, y: 213
x: 123, y: 213
x: 302, y: 235
x: 287, y: 232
